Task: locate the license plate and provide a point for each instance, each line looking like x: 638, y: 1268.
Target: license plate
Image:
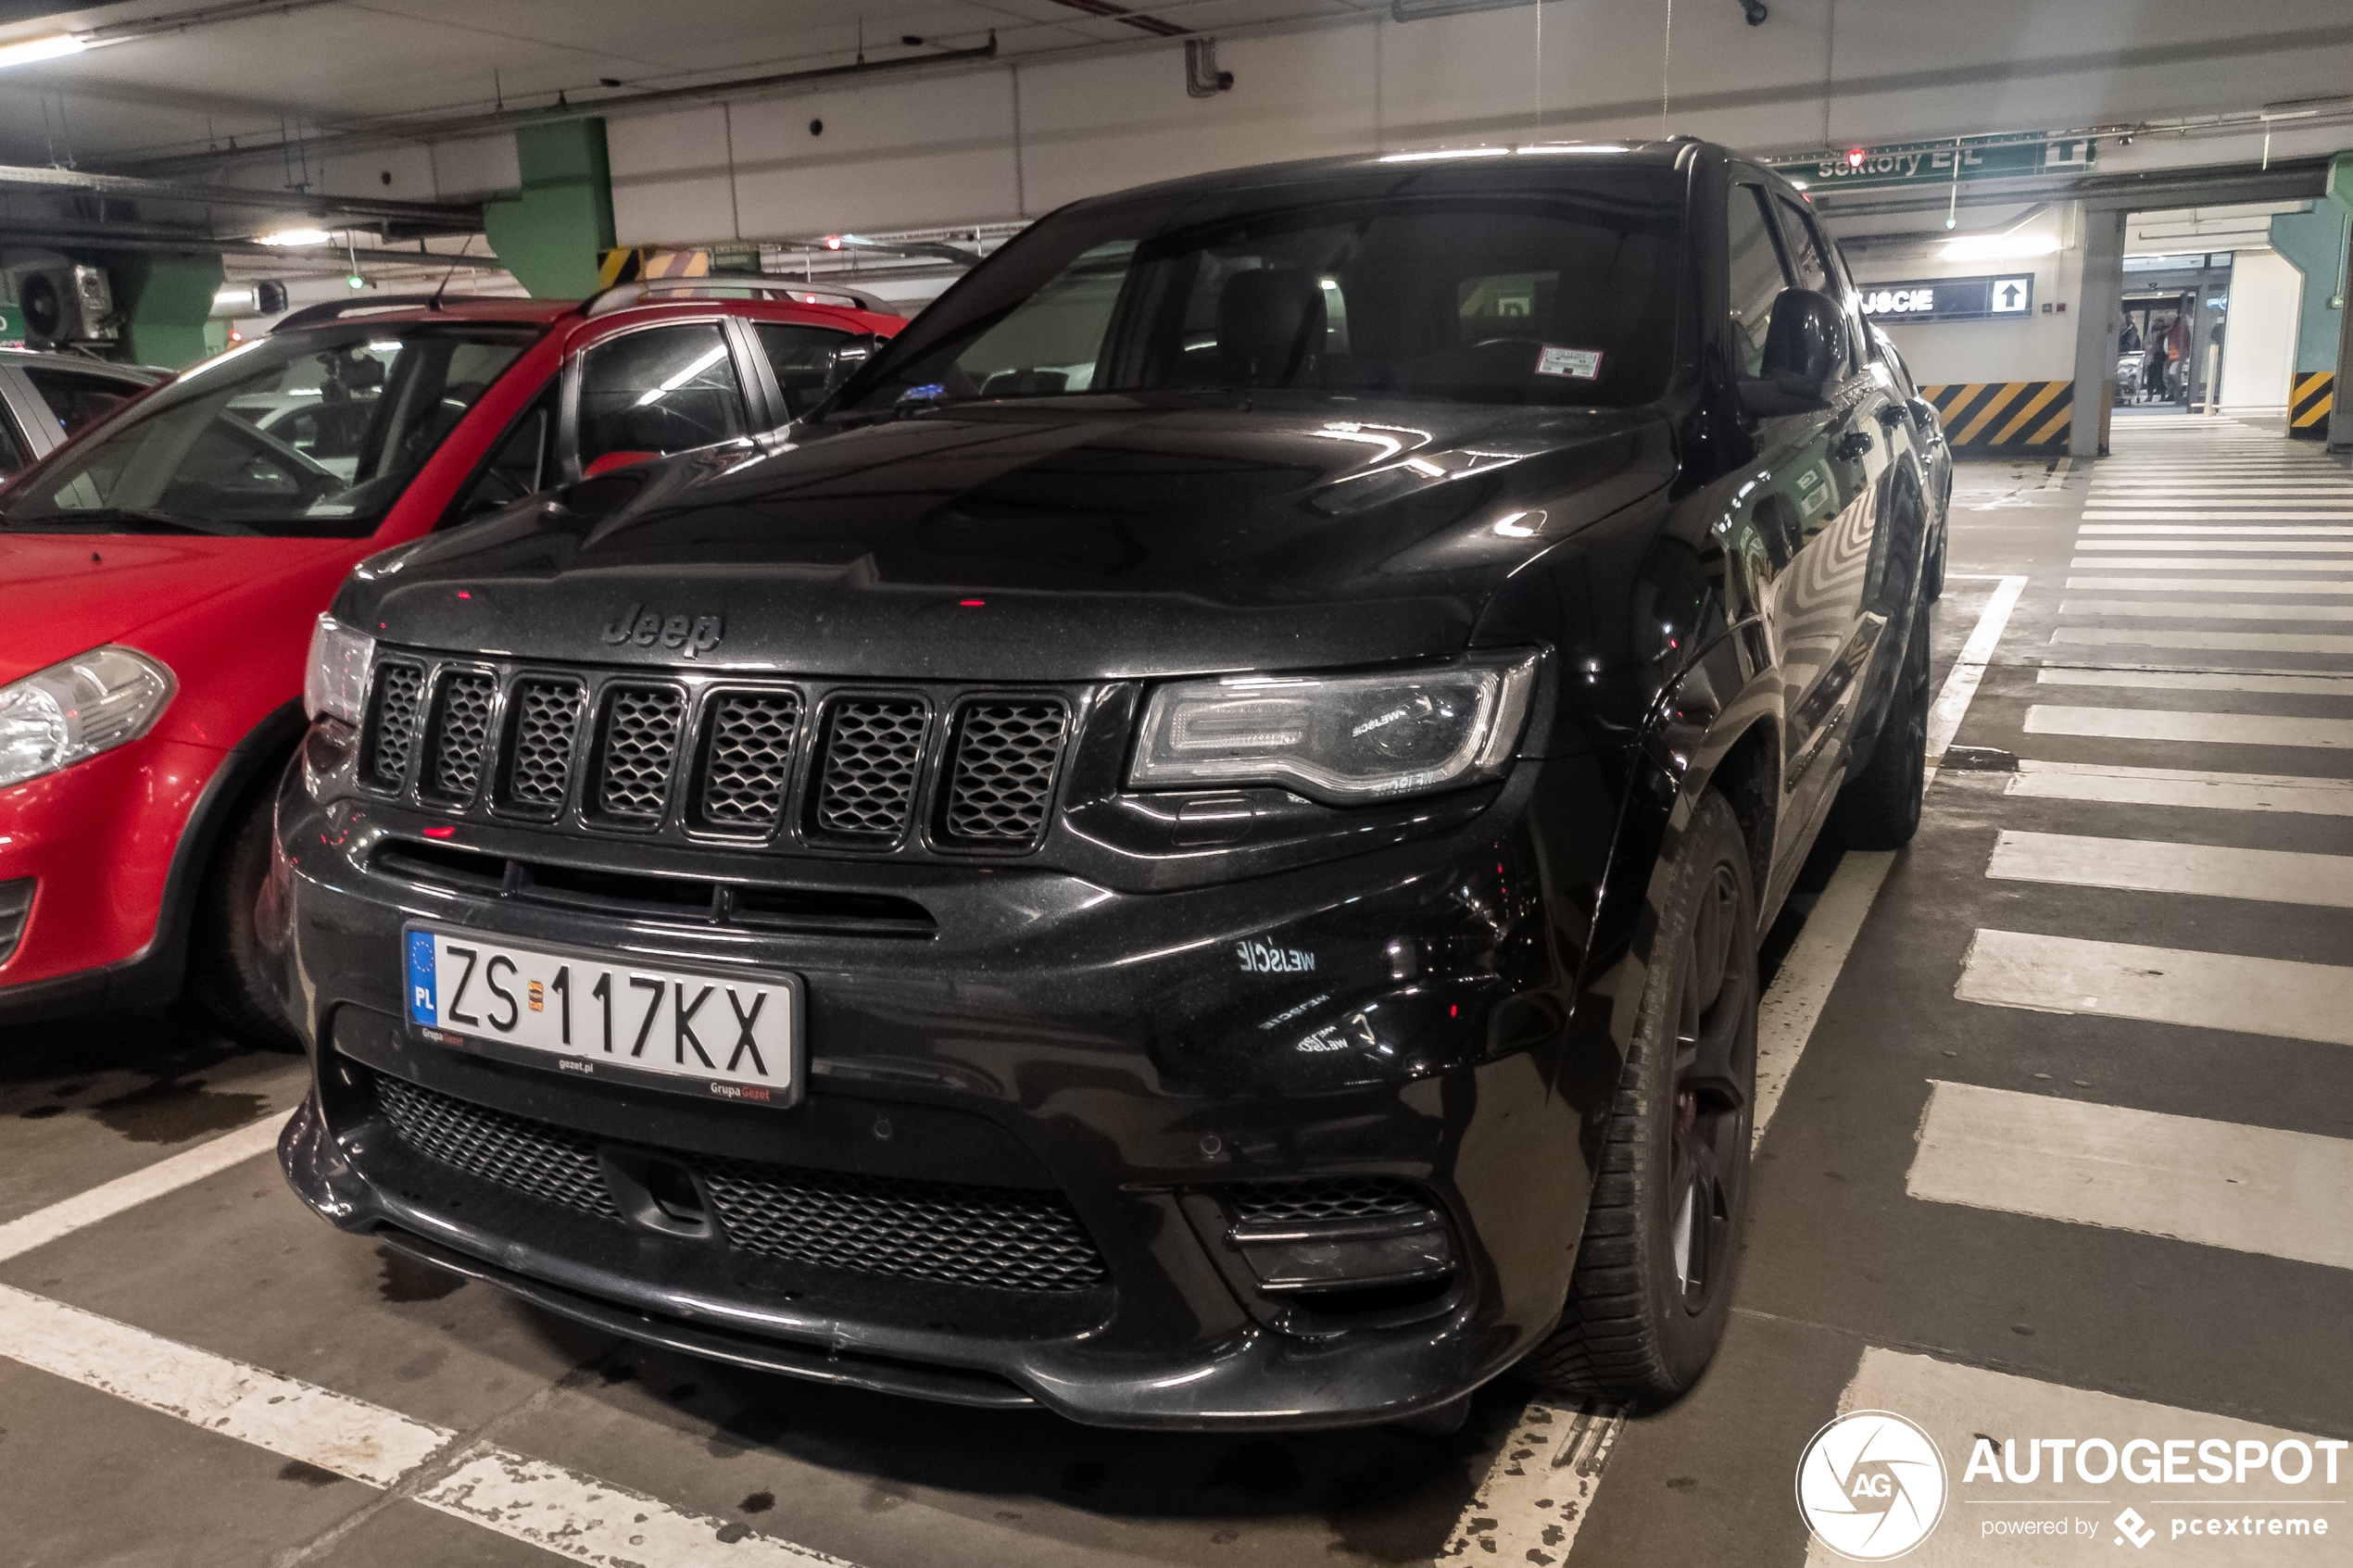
x: 731, y: 1036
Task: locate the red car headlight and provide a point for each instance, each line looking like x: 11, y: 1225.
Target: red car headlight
x: 94, y: 702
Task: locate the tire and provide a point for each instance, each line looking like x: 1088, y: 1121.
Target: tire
x: 1880, y: 807
x: 1652, y: 1285
x: 228, y: 971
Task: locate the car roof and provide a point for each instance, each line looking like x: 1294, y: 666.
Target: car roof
x: 547, y: 312
x: 1656, y: 156
x: 9, y: 351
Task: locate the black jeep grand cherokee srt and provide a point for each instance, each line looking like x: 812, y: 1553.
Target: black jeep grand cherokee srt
x: 1190, y: 850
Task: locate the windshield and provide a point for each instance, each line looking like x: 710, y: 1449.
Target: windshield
x: 310, y: 435
x: 1513, y: 293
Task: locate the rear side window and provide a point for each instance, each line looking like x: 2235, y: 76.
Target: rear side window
x: 802, y: 359
x: 659, y: 390
x: 76, y: 398
x: 1757, y: 275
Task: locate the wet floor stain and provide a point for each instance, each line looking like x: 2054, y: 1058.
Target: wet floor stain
x: 42, y: 1113
x: 402, y: 1278
x: 175, y: 1110
x: 307, y: 1475
x: 758, y: 1502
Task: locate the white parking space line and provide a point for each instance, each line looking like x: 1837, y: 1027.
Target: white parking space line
x: 1536, y: 1494
x: 565, y: 1512
x: 2224, y: 529
x: 2206, y: 871
x: 2217, y: 585
x: 2219, y: 1183
x: 2213, y: 642
x: 2197, y: 681
x: 128, y: 1192
x: 2206, y: 609
x: 2112, y: 784
x: 2221, y: 729
x: 1955, y: 1402
x: 2198, y: 563
x: 1969, y: 671
x: 1791, y: 1006
x: 2296, y: 547
x: 2230, y: 991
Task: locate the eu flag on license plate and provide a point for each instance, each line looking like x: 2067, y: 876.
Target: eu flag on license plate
x: 423, y: 1007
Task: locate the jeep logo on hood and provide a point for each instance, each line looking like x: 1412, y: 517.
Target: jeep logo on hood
x: 695, y: 634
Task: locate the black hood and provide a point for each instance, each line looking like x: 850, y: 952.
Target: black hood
x: 1085, y: 538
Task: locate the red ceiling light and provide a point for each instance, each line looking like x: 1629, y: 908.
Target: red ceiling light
x: 833, y: 242
x: 1854, y: 157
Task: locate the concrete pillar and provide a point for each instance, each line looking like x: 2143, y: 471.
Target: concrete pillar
x: 551, y: 230
x: 2340, y: 191
x: 2100, y: 297
x: 164, y: 300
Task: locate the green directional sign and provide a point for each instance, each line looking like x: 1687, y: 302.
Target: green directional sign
x: 1939, y: 163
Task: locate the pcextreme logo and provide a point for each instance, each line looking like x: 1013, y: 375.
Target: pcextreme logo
x: 1871, y: 1486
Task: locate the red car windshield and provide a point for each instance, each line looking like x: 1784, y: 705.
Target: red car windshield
x: 314, y: 434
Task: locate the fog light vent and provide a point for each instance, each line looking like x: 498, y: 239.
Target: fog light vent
x: 16, y: 906
x: 1339, y: 1234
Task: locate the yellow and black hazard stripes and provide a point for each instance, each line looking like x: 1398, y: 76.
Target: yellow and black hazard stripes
x: 2308, y: 402
x: 2002, y: 418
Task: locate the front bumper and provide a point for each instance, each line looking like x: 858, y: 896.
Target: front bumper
x: 1137, y: 1057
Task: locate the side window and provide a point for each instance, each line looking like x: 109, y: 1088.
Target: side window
x: 1757, y: 275
x: 75, y: 399
x: 802, y: 359
x: 12, y: 453
x: 1813, y: 264
x: 657, y: 391
x: 523, y: 462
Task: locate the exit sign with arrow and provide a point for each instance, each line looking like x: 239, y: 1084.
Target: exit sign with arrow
x: 1950, y: 299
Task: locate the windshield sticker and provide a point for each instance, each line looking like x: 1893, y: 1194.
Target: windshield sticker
x: 1585, y: 364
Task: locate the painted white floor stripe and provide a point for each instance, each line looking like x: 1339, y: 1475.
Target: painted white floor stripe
x: 1539, y: 1487
x: 2213, y: 642
x: 2218, y: 1184
x: 2248, y: 995
x: 1791, y: 1006
x: 2217, y: 729
x: 128, y: 1192
x: 2112, y: 784
x: 2206, y: 871
x: 1955, y: 1403
x: 2205, y: 609
x: 1969, y: 671
x: 2201, y: 563
x: 2197, y: 681
x: 527, y: 1499
x: 2270, y: 547
x: 2225, y: 530
x: 2218, y: 585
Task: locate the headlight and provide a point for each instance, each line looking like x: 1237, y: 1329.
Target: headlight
x: 55, y: 717
x: 1340, y: 738
x: 337, y: 680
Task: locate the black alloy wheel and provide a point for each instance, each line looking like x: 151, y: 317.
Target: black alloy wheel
x: 1653, y: 1283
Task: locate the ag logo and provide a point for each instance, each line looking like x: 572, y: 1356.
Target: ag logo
x: 1871, y: 1486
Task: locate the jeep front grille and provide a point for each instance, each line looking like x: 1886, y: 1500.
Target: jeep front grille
x: 694, y: 756
x: 871, y: 756
x: 640, y: 748
x: 1004, y: 770
x: 1001, y: 1239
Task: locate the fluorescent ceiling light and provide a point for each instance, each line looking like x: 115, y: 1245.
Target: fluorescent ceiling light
x: 297, y: 237
x: 32, y: 49
x: 1999, y: 248
x: 1454, y: 151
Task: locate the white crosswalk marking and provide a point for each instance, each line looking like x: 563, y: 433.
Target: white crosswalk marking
x: 2250, y: 995
x: 2211, y: 642
x: 2197, y: 563
x: 2115, y: 785
x: 2277, y: 546
x: 2217, y: 585
x: 2205, y: 609
x: 2226, y: 530
x: 2197, y: 679
x: 2287, y: 876
x: 2223, y: 729
x: 2251, y: 1189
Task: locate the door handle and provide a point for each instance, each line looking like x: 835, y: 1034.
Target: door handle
x: 1853, y: 444
x: 1892, y: 414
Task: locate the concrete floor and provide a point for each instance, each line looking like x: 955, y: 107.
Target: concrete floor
x: 2024, y: 1309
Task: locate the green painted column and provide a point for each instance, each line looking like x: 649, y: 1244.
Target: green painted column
x: 165, y: 301
x: 2314, y: 243
x: 550, y: 231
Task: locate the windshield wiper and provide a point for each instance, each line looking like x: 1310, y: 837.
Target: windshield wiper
x: 75, y: 519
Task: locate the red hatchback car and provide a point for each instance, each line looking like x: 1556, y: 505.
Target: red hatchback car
x: 161, y: 575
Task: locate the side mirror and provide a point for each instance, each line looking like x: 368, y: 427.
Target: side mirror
x: 844, y: 360
x: 1803, y: 343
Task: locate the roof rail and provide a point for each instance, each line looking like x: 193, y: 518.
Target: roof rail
x: 620, y: 296
x: 335, y: 309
